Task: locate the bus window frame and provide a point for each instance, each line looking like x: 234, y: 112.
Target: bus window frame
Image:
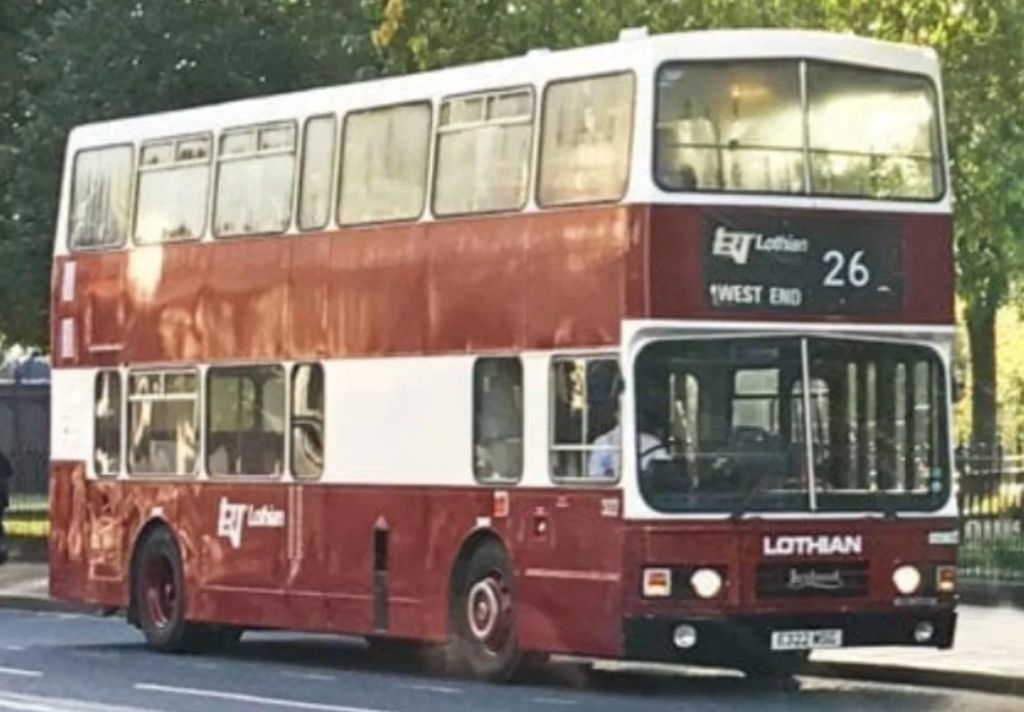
x: 497, y: 482
x: 285, y: 472
x: 209, y: 201
x: 802, y: 66
x: 551, y: 446
x: 338, y: 188
x: 295, y: 152
x: 533, y: 156
x: 167, y: 370
x: 291, y: 370
x: 332, y: 181
x: 132, y: 178
x: 630, y: 141
x: 122, y: 423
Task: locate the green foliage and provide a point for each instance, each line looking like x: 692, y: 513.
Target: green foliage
x: 90, y: 60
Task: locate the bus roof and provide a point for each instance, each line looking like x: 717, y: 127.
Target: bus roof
x: 635, y: 50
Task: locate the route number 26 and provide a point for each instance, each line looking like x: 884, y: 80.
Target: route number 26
x: 856, y: 272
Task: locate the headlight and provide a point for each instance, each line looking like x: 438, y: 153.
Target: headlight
x: 706, y: 583
x: 907, y: 580
x: 657, y: 583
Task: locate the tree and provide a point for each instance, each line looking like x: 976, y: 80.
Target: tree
x: 98, y: 59
x: 980, y: 43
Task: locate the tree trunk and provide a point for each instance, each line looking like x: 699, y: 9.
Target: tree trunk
x: 981, y: 326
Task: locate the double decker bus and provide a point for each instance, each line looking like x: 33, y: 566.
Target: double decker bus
x: 634, y: 351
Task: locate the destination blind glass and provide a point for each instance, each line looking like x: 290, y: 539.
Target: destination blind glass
x: 759, y: 264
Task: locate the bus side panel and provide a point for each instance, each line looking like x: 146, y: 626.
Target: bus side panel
x: 69, y: 531
x: 102, y: 299
x: 306, y: 560
x: 568, y: 559
x: 379, y: 298
x: 574, y: 291
x: 241, y: 535
x: 244, y: 297
x: 108, y: 558
x: 473, y: 305
x: 164, y: 285
x: 307, y: 316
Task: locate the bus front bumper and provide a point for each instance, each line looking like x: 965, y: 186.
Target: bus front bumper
x: 727, y: 640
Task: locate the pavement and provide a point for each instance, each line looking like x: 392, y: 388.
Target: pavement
x: 988, y: 655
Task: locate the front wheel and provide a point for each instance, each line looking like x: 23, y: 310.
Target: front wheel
x: 484, y: 616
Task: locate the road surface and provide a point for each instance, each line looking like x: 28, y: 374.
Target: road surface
x: 51, y: 662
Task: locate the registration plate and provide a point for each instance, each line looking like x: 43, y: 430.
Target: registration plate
x: 806, y: 639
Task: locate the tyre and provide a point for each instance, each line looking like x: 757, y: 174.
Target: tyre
x: 159, y: 596
x: 484, y: 616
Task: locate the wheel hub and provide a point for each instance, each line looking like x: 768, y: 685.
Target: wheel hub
x: 484, y: 609
x: 489, y: 612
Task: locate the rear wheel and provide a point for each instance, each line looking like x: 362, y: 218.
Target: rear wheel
x: 159, y: 597
x: 484, y: 614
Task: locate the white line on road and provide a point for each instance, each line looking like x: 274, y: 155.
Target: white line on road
x: 20, y: 706
x: 236, y: 697
x: 12, y: 648
x: 34, y: 703
x: 553, y: 701
x: 18, y: 672
x: 440, y: 689
x: 311, y: 676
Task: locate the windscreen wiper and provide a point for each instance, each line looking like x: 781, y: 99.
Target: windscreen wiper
x: 753, y: 491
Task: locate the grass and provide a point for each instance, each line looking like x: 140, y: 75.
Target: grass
x: 31, y: 522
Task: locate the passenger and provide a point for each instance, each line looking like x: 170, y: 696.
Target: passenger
x: 6, y: 475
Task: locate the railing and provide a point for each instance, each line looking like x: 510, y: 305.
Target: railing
x: 991, y: 491
x: 25, y: 443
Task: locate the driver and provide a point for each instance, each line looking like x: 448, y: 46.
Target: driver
x: 604, y: 459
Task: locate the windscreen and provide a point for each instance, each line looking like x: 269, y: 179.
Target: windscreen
x: 798, y: 128
x: 732, y: 430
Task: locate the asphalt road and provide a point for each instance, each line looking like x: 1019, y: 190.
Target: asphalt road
x: 51, y: 662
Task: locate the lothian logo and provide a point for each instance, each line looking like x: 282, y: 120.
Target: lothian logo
x: 233, y: 518
x: 736, y: 245
x: 823, y: 545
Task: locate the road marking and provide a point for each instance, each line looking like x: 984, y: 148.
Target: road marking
x: 236, y: 697
x: 34, y: 703
x: 13, y: 648
x: 554, y: 701
x: 311, y: 676
x: 17, y: 672
x: 440, y: 689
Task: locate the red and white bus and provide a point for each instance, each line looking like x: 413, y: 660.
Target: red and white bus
x: 359, y: 359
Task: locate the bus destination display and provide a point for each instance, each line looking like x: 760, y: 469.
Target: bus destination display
x: 821, y: 266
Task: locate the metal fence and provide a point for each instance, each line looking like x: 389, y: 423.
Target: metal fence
x: 25, y: 443
x: 991, y: 491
